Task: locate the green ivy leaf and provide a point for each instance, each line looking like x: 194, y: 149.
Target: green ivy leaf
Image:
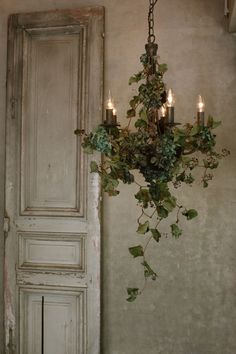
x: 140, y: 123
x: 143, y: 228
x: 131, y: 113
x: 189, y: 179
x: 148, y: 271
x: 212, y: 124
x: 162, y: 68
x: 190, y: 214
x: 136, y: 78
x: 133, y: 103
x: 136, y: 251
x: 162, y: 212
x: 87, y: 144
x: 181, y: 177
x: 144, y: 197
x: 132, y: 293
x: 179, y: 135
x: 216, y: 124
x: 93, y: 167
x: 186, y: 160
x: 169, y: 203
x: 153, y: 160
x: 176, y: 231
x: 195, y: 130
x: 88, y: 149
x: 110, y: 184
x: 156, y: 234
x: 143, y: 114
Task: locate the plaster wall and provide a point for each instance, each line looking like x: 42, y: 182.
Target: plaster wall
x: 191, y: 308
x: 232, y: 15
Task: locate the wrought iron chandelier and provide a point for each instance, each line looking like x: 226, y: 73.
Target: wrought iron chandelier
x: 163, y: 152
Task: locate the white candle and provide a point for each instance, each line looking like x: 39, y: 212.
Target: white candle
x: 200, y: 104
x: 170, y: 98
x: 200, y: 110
x: 110, y: 101
x: 109, y: 109
x: 170, y: 107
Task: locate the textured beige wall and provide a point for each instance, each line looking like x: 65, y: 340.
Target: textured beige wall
x: 232, y: 15
x: 191, y: 309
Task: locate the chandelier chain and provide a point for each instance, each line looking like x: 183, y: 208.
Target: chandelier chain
x: 151, y: 35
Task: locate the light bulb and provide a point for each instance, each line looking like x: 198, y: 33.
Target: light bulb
x: 109, y: 101
x: 200, y: 104
x: 170, y: 98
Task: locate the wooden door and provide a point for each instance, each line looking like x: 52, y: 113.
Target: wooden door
x: 52, y: 223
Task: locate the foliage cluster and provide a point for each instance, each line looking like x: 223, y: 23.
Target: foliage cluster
x: 164, y: 159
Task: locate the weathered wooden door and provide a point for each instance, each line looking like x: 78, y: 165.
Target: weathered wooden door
x: 52, y: 225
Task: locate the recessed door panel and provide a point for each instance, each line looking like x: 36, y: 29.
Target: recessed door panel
x: 52, y: 166
x: 52, y: 251
x: 63, y: 319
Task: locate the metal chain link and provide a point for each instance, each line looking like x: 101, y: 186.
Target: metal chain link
x: 151, y: 36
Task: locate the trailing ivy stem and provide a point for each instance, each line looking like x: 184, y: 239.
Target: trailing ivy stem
x: 155, y: 211
x: 140, y: 217
x: 149, y: 216
x: 144, y: 258
x: 128, y: 125
x: 144, y: 286
x: 146, y: 246
x: 158, y: 222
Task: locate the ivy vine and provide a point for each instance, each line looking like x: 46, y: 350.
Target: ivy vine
x: 166, y: 159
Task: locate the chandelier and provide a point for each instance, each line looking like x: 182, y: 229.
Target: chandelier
x: 165, y: 153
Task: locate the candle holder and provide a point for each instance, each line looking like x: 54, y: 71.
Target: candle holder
x: 170, y: 115
x: 106, y: 125
x: 201, y: 118
x: 109, y: 116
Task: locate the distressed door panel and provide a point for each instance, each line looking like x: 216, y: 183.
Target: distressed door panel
x: 52, y: 251
x: 52, y: 173
x: 64, y: 320
x: 52, y: 248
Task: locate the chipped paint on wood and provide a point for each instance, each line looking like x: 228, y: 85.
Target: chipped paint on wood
x: 10, y: 322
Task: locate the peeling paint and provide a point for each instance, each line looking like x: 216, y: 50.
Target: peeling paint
x: 9, y: 313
